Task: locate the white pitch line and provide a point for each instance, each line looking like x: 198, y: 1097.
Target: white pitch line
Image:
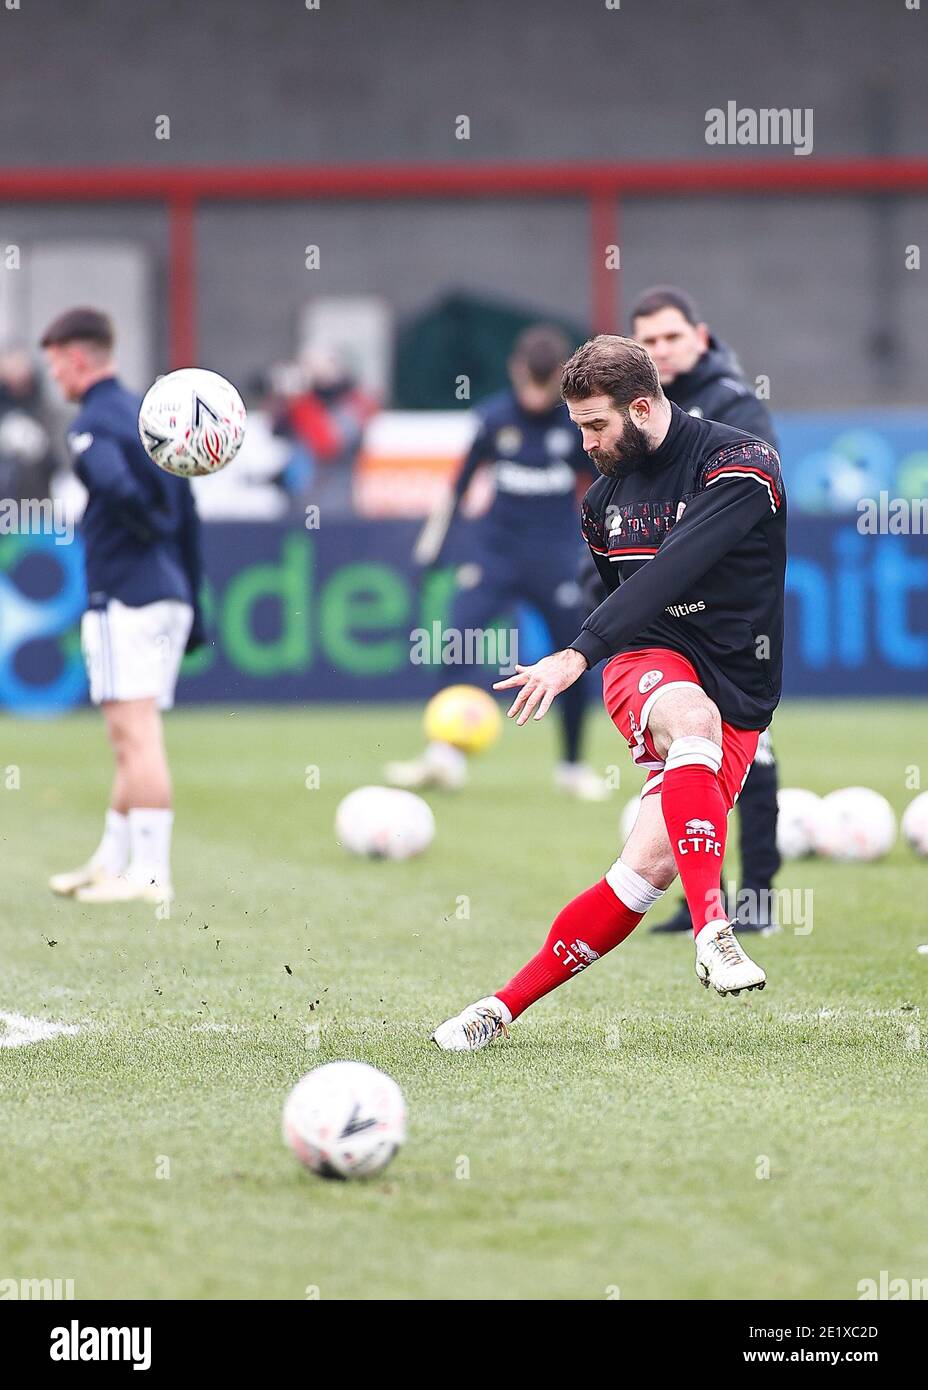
x: 22, y: 1030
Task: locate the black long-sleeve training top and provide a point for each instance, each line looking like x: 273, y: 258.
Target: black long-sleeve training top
x: 692, y: 550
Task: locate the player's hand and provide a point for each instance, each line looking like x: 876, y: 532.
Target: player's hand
x: 542, y: 683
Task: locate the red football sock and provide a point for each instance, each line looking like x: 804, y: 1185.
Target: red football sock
x: 584, y: 930
x: 697, y: 823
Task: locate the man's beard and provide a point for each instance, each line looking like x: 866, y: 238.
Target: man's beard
x: 628, y: 455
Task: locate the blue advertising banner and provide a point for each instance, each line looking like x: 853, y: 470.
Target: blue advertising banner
x: 831, y: 460
x: 326, y: 615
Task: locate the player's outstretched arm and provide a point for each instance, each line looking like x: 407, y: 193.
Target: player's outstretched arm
x: 542, y: 683
x: 431, y: 539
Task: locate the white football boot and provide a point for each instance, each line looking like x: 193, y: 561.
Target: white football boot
x: 721, y: 963
x: 66, y: 884
x: 441, y: 765
x: 124, y: 888
x: 581, y: 782
x: 479, y: 1024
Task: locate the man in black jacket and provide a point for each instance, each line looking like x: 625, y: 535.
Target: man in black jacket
x: 698, y: 373
x: 703, y: 377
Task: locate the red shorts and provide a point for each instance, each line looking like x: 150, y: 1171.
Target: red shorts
x: 633, y: 681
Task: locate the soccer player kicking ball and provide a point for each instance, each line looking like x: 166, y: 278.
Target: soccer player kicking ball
x: 687, y: 527
x: 142, y: 556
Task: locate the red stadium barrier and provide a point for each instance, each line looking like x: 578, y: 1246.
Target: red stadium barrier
x: 602, y: 185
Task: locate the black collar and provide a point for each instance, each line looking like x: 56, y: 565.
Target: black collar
x: 670, y: 446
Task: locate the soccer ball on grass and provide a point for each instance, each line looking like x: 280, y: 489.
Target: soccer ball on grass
x: 345, y: 1120
x: 384, y: 823
x: 854, y: 823
x: 464, y: 716
x: 797, y: 814
x: 915, y: 824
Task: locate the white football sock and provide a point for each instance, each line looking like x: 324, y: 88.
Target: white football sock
x: 112, y: 853
x: 150, y: 842
x: 631, y: 889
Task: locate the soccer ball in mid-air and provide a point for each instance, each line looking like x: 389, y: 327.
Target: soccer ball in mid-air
x: 915, y: 824
x: 192, y: 422
x: 797, y: 814
x: 855, y: 823
x: 345, y: 1120
x: 465, y: 716
x: 384, y: 823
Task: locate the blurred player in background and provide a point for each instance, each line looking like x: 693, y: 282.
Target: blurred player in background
x: 702, y: 376
x: 142, y: 554
x: 27, y: 452
x: 687, y: 528
x: 525, y: 546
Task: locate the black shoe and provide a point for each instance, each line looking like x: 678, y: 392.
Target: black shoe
x: 754, y: 910
x: 680, y: 921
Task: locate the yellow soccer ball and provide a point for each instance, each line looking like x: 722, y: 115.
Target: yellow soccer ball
x: 465, y: 716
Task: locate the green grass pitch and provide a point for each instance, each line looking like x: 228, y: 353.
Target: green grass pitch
x: 636, y: 1137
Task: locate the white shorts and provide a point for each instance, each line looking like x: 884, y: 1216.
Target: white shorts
x: 135, y: 653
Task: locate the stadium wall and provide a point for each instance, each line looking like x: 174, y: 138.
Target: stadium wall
x: 776, y: 285
x: 813, y: 292
x: 542, y: 80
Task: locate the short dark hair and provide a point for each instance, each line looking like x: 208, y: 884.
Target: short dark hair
x: 541, y: 349
x: 611, y: 366
x: 666, y: 297
x: 80, y: 326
